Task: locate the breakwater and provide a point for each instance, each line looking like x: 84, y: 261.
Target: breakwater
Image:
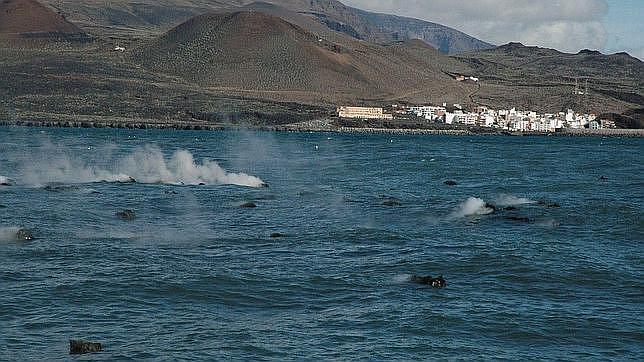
x: 310, y: 126
x: 179, y: 125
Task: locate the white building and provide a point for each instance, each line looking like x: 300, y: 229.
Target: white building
x: 363, y: 113
x: 428, y: 112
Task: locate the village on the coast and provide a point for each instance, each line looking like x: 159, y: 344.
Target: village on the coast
x: 480, y: 116
x: 513, y: 119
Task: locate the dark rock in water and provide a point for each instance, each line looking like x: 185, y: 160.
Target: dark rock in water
x: 350, y: 201
x: 248, y: 205
x: 510, y: 208
x: 126, y: 215
x: 3, y: 206
x: 264, y: 185
x: 548, y: 204
x: 518, y: 218
x: 24, y: 234
x: 56, y: 187
x: 82, y: 347
x: 202, y: 184
x: 491, y: 206
x: 428, y: 280
x: 278, y: 235
x: 392, y: 201
x: 450, y: 183
x: 5, y: 184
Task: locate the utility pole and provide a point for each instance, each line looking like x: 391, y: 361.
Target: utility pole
x: 576, y: 86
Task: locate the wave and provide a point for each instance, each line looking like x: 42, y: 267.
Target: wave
x: 145, y: 165
x: 510, y: 200
x: 473, y: 206
x: 5, y: 181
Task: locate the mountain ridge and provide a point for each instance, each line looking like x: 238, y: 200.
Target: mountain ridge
x: 148, y: 15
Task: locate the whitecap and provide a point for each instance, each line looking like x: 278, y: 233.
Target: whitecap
x: 471, y: 207
x: 5, y: 181
x: 505, y: 200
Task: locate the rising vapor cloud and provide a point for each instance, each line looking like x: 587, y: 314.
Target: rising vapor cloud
x: 566, y: 25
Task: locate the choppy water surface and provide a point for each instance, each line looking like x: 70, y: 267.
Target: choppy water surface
x: 197, y: 276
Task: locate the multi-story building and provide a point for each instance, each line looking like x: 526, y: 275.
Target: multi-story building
x: 363, y: 113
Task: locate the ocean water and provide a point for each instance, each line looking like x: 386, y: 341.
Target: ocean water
x: 196, y: 276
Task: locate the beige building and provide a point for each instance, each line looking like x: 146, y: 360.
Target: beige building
x: 363, y: 113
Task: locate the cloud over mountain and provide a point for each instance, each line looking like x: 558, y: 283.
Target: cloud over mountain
x: 567, y: 25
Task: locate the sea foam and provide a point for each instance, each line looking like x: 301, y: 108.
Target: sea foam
x: 511, y: 200
x: 471, y: 207
x: 4, y: 180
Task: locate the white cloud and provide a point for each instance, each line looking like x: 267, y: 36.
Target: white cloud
x: 566, y: 25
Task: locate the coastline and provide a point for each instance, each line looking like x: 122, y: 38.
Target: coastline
x: 317, y: 126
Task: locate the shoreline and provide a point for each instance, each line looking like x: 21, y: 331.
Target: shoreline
x: 319, y: 126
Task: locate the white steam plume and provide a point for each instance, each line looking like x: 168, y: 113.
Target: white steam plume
x: 145, y: 165
x: 471, y: 207
x: 148, y: 165
x: 9, y: 233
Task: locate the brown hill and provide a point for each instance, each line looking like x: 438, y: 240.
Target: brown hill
x: 251, y: 51
x: 549, y: 80
x: 29, y: 18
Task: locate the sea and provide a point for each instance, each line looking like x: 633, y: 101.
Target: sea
x: 540, y: 242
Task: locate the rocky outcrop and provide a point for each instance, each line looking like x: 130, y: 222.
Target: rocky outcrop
x: 438, y: 282
x: 24, y: 234
x: 83, y: 347
x: 126, y: 215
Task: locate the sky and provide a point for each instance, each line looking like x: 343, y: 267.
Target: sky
x: 609, y: 26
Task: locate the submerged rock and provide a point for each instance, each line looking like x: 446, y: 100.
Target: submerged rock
x: 391, y: 201
x: 350, y: 200
x: 82, y: 347
x: 450, y: 183
x: 493, y: 207
x: 518, y: 219
x: 57, y: 187
x: 428, y: 280
x: 126, y: 215
x: 248, y: 205
x: 24, y: 234
x: 548, y: 204
x: 278, y: 235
